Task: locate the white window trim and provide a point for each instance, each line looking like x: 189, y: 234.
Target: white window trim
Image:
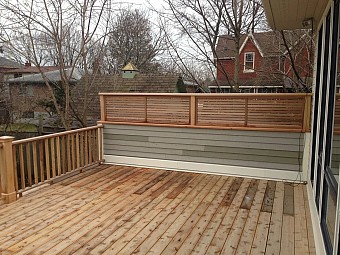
x: 244, y: 62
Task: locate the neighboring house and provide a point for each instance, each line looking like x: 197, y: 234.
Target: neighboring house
x: 6, y: 65
x: 26, y: 70
x: 264, y: 62
x: 131, y: 81
x: 29, y: 94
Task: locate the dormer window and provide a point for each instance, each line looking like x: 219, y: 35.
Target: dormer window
x: 249, y: 61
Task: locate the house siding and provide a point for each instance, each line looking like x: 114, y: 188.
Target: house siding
x: 263, y: 66
x: 252, y: 149
x: 29, y: 100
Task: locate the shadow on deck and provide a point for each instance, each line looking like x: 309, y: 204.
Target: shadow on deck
x: 125, y: 210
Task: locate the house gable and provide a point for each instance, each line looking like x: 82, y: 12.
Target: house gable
x: 251, y: 38
x: 250, y: 47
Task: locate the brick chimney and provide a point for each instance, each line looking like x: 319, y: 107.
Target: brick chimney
x: 27, y: 64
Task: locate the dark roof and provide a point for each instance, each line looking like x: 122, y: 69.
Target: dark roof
x: 269, y: 43
x: 225, y: 47
x: 7, y: 63
x: 141, y: 83
x: 52, y: 76
x: 33, y: 69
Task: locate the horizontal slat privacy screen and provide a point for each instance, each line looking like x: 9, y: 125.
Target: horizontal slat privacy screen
x: 281, y: 111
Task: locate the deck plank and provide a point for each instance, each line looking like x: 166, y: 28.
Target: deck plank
x: 301, y: 234
x: 89, y: 242
x: 100, y: 204
x: 311, y: 242
x: 223, y: 230
x: 274, y: 238
x: 179, y: 203
x: 235, y: 232
x: 247, y: 237
x: 133, y: 210
x: 201, y: 227
x: 268, y: 200
x: 288, y: 202
x: 261, y: 234
x: 103, y: 221
x: 177, y: 216
x: 287, y: 238
x: 191, y: 221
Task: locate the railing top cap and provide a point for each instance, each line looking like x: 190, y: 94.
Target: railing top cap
x: 6, y: 138
x: 209, y: 94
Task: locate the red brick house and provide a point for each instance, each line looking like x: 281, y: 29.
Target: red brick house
x: 265, y: 64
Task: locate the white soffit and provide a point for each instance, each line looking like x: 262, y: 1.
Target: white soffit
x: 291, y: 14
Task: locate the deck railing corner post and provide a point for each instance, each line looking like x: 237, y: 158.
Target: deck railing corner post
x: 307, y: 113
x: 102, y: 107
x: 7, y: 171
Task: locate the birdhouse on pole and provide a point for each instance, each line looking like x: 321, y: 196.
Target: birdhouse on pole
x: 129, y: 71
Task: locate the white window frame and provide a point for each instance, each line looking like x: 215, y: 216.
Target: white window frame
x: 245, y: 69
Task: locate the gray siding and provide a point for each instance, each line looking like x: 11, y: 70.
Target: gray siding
x: 256, y: 149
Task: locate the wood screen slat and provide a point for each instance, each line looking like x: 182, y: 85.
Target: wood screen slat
x: 122, y: 109
x: 168, y: 110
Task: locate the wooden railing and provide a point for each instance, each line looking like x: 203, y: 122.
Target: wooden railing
x: 240, y: 111
x: 34, y: 161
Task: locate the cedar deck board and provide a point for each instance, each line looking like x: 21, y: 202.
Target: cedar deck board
x: 98, y: 210
x: 288, y: 203
x: 268, y: 200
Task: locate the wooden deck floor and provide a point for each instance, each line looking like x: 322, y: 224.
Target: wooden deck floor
x: 126, y: 210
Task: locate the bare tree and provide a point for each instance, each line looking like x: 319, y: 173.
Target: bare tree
x: 133, y: 38
x: 59, y: 32
x: 202, y: 22
x: 298, y: 48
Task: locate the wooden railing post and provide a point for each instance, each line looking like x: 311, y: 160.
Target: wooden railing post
x: 102, y: 108
x: 7, y: 171
x: 193, y: 110
x: 100, y: 141
x: 307, y: 113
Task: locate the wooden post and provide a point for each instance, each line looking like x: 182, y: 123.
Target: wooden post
x: 100, y: 141
x: 246, y: 112
x: 193, y: 110
x: 307, y: 113
x: 7, y: 171
x: 102, y: 108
